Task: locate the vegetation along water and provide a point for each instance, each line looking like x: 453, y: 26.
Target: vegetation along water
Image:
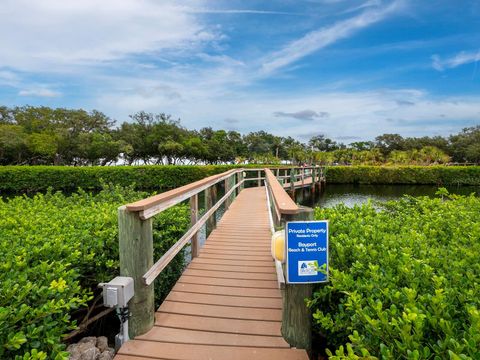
x: 56, y: 249
x: 403, y: 280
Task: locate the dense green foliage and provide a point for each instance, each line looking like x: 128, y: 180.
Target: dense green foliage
x: 429, y: 175
x: 427, y: 155
x: 160, y: 178
x: 45, y: 136
x: 55, y: 250
x: 404, y: 280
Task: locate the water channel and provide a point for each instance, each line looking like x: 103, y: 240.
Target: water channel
x: 352, y: 194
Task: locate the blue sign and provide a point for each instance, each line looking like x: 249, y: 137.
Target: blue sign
x: 306, y: 251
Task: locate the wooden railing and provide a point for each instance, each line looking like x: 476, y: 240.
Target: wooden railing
x: 296, y: 317
x: 294, y: 177
x: 136, y: 233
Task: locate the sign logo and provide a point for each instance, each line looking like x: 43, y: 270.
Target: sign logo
x: 307, y: 268
x: 306, y: 251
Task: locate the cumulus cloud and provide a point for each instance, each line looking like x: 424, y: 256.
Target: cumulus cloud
x: 462, y: 58
x: 40, y: 34
x: 362, y: 113
x: 302, y: 115
x: 9, y: 78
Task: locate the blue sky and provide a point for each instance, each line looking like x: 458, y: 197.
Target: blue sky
x: 344, y: 68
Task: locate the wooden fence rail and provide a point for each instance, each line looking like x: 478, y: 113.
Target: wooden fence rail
x: 296, y: 317
x: 136, y: 234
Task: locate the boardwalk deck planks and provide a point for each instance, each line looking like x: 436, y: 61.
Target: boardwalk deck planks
x: 227, y: 304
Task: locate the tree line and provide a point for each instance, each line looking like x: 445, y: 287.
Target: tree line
x: 45, y: 136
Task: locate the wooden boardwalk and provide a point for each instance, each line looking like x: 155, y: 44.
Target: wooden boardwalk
x: 307, y: 182
x: 227, y: 304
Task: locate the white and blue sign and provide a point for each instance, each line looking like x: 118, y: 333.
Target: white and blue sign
x: 306, y: 251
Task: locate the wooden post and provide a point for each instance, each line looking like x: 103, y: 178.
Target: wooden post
x: 233, y: 181
x: 193, y: 220
x: 278, y: 174
x: 322, y: 177
x: 297, y: 317
x: 136, y: 258
x: 292, y: 183
x: 210, y: 200
x: 313, y: 174
x: 240, y: 178
x: 230, y: 183
x: 259, y: 175
x: 227, y: 184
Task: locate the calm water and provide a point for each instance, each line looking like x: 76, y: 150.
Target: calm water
x: 351, y: 194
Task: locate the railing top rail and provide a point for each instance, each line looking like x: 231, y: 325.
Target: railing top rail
x: 199, y: 185
x: 178, y: 194
x: 284, y: 167
x: 283, y: 202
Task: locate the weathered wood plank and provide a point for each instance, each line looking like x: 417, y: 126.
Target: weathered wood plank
x: 164, y: 350
x: 227, y: 304
x: 227, y: 290
x: 200, y: 280
x: 219, y: 244
x: 248, y: 257
x: 206, y: 260
x: 230, y: 268
x: 221, y: 311
x: 230, y: 274
x: 255, y: 302
x: 186, y: 336
x: 233, y: 326
x: 237, y: 252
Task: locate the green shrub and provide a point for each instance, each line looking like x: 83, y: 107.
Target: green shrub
x: 428, y: 175
x: 404, y: 280
x: 18, y: 179
x: 39, y: 178
x: 55, y: 249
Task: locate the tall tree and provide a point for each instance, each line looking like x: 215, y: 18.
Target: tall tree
x: 389, y: 142
x: 465, y: 145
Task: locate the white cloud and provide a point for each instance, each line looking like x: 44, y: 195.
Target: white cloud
x: 54, y: 34
x: 366, y: 4
x: 8, y: 75
x: 72, y: 37
x: 364, y: 114
x: 462, y: 58
x: 39, y: 92
x: 9, y: 78
x: 323, y: 37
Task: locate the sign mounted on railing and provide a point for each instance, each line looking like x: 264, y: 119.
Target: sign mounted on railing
x: 307, y: 251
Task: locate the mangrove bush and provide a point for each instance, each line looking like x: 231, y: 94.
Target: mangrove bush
x: 404, y: 280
